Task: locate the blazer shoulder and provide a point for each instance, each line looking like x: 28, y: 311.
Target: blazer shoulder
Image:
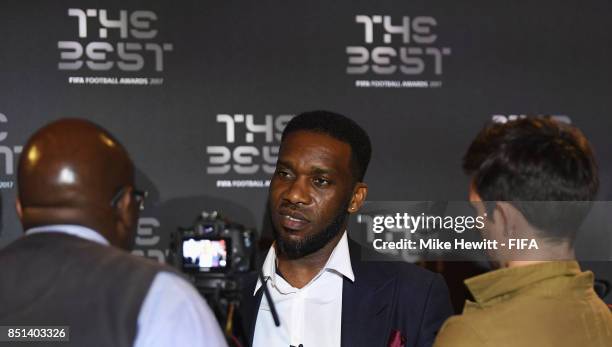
x: 406, y: 273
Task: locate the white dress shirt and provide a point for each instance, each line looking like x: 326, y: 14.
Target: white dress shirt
x: 172, y: 313
x: 310, y: 316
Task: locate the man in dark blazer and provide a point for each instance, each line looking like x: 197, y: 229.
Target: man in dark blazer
x: 324, y: 293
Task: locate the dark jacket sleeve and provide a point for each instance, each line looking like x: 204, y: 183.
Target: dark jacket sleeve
x: 437, y: 309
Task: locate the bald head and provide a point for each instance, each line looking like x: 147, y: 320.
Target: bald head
x: 69, y: 171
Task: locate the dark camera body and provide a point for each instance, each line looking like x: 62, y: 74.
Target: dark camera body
x: 216, y: 255
x: 213, y: 253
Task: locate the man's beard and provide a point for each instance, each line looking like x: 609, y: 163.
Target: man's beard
x: 313, y: 243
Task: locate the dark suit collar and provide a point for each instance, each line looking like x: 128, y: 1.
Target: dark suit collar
x: 366, y: 303
x: 250, y: 307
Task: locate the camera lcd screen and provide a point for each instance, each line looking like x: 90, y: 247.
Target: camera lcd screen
x: 206, y: 254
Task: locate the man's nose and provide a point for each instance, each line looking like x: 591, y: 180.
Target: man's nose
x: 298, y: 192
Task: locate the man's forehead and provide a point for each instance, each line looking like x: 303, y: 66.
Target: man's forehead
x: 309, y: 138
x: 316, y: 148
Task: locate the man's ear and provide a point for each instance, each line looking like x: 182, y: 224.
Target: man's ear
x: 473, y: 194
x: 510, y: 218
x: 360, y: 192
x: 19, y: 209
x: 124, y: 204
x: 124, y: 222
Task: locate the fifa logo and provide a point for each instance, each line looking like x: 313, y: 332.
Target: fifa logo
x: 103, y: 55
x: 242, y: 154
x: 403, y: 45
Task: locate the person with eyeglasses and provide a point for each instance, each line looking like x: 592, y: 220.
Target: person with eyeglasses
x: 79, y: 209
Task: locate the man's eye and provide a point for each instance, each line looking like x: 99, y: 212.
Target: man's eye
x: 321, y: 181
x: 282, y: 173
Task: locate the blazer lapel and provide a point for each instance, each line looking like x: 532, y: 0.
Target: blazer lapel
x: 350, y: 315
x: 367, y: 307
x: 250, y: 307
x: 253, y: 316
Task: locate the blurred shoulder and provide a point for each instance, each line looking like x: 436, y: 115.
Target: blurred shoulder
x: 459, y: 331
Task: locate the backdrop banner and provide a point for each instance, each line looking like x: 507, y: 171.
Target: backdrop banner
x: 200, y: 91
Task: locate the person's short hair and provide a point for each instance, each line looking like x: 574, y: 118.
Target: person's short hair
x: 341, y: 128
x: 536, y: 159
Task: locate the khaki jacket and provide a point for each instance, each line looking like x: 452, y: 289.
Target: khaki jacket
x: 550, y: 304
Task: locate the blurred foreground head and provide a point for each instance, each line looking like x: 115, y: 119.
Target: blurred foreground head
x: 539, y: 160
x: 74, y: 172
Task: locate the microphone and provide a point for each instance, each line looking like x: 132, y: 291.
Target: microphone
x: 269, y: 298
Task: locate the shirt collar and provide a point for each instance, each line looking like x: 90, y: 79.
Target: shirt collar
x: 339, y: 262
x: 74, y: 230
x: 504, y: 281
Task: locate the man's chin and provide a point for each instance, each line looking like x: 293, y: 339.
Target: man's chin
x: 289, y: 248
x: 299, y: 243
x: 291, y: 244
x: 291, y: 239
